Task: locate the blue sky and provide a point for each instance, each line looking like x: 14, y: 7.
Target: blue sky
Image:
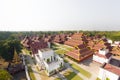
x: 40, y: 15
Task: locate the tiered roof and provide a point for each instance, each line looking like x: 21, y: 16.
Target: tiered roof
x: 26, y: 42
x: 76, y: 39
x: 80, y: 53
x: 34, y: 43
x: 116, y: 52
x: 60, y: 38
x: 101, y: 44
x: 91, y: 44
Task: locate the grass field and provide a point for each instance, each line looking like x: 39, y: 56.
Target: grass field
x: 31, y: 73
x: 98, y: 79
x: 57, y: 79
x: 26, y: 51
x: 61, y: 49
x: 81, y: 70
x: 70, y: 75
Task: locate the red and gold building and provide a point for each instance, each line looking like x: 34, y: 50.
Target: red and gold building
x: 76, y: 39
x: 80, y: 53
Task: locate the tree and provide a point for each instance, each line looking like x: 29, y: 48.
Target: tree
x: 4, y: 75
x: 7, y: 48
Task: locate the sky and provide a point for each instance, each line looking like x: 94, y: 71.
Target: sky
x: 52, y: 15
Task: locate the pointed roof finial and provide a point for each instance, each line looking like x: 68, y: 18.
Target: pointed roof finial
x: 16, y: 58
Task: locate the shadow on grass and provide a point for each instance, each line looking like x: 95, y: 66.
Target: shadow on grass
x: 80, y: 70
x: 70, y: 75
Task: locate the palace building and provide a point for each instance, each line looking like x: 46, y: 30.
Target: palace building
x: 80, y: 53
x: 76, y: 39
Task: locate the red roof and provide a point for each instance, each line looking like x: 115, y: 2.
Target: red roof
x: 83, y: 53
x: 112, y: 69
x: 81, y: 46
x: 76, y: 39
x: 116, y: 50
x: 35, y: 43
x: 104, y: 56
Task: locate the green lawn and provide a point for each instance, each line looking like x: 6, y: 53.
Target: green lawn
x: 70, y: 75
x: 61, y: 49
x: 31, y: 73
x: 65, y: 61
x: 98, y: 79
x: 81, y: 70
x: 26, y: 51
x: 57, y: 79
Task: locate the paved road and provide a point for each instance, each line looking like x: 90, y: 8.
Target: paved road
x: 33, y: 67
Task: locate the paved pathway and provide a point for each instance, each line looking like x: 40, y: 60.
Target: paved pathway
x: 78, y: 73
x: 33, y: 67
x: 93, y: 68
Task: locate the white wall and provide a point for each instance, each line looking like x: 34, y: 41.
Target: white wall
x: 109, y: 41
x: 46, y: 55
x: 103, y: 52
x: 103, y: 74
x: 100, y: 59
x: 117, y: 42
x: 49, y: 45
x: 54, y: 64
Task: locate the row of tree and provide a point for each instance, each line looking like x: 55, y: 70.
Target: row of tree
x: 114, y: 35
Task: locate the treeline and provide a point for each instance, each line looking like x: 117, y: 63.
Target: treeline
x: 114, y: 35
x: 17, y: 35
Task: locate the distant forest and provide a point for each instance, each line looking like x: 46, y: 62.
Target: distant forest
x: 113, y: 35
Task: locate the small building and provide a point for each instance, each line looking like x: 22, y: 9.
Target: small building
x: 110, y: 71
x: 101, y: 44
x: 48, y: 60
x: 109, y: 41
x: 116, y: 43
x: 102, y: 56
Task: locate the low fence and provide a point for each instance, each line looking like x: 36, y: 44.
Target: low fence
x: 26, y: 68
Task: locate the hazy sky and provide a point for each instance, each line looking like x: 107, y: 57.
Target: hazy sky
x: 39, y: 15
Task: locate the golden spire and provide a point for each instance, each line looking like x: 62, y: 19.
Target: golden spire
x: 16, y: 58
